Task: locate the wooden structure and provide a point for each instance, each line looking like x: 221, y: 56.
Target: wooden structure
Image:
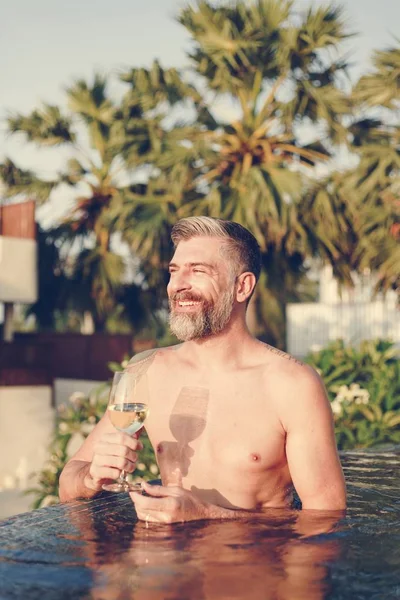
x: 18, y: 259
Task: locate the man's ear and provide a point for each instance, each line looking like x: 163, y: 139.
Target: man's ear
x: 246, y: 283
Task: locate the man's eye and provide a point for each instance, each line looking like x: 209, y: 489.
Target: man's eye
x: 198, y: 271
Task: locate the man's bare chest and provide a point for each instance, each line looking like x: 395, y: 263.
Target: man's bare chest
x: 229, y: 422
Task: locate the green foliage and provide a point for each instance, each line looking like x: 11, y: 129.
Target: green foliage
x: 163, y: 150
x: 73, y: 424
x: 363, y: 386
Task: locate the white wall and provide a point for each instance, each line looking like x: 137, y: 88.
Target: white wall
x: 18, y: 270
x: 27, y: 422
x: 27, y: 425
x: 26, y: 428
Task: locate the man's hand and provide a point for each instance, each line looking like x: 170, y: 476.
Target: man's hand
x: 169, y: 504
x: 113, y: 453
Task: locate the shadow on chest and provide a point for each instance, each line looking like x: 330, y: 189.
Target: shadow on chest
x: 202, y: 427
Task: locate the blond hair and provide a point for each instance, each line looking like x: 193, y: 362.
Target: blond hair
x: 241, y: 246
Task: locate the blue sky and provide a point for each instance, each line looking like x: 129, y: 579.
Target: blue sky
x: 45, y: 44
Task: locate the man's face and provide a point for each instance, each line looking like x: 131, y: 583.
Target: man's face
x: 201, y: 289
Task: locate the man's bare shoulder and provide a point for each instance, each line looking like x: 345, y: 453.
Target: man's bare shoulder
x: 287, y: 373
x: 282, y: 362
x: 295, y: 385
x: 154, y: 358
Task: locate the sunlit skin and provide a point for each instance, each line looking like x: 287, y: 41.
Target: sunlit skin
x: 263, y: 422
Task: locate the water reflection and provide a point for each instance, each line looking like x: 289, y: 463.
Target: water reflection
x: 97, y: 549
x: 283, y: 554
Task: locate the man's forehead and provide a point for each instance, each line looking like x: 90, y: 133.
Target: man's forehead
x: 199, y: 249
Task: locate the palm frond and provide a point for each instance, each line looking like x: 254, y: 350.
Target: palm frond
x: 46, y: 126
x: 24, y: 182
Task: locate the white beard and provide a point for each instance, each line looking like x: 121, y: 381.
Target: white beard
x: 210, y: 320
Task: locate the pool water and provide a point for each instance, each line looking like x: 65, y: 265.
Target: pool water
x: 98, y: 550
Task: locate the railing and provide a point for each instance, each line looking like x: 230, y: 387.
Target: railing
x: 39, y: 358
x: 316, y: 324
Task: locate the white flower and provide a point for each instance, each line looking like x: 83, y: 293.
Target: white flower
x: 354, y: 386
x: 353, y: 394
x: 336, y: 407
x: 141, y: 466
x: 154, y: 469
x: 76, y: 398
x: 124, y: 364
x: 63, y: 427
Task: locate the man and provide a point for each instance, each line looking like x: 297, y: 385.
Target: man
x: 234, y: 423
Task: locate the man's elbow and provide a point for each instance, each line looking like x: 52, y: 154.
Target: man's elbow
x: 69, y: 481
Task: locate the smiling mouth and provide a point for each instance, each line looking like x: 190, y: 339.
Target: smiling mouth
x: 187, y: 303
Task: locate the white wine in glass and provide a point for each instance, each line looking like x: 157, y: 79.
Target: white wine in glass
x: 127, y: 413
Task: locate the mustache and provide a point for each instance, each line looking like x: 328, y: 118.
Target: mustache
x: 185, y: 297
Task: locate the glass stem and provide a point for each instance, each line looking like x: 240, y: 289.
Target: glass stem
x: 122, y: 477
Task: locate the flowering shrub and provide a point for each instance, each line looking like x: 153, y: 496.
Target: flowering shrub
x: 73, y: 424
x: 346, y: 396
x: 363, y: 386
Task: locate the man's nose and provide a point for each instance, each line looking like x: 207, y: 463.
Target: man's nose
x: 179, y: 282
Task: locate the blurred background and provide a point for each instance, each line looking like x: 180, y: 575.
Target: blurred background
x: 117, y: 119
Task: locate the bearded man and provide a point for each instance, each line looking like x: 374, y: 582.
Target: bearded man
x: 235, y: 424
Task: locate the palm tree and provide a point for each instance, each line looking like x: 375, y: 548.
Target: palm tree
x: 377, y: 176
x: 275, y: 67
x: 169, y: 191
x: 354, y: 216
x: 109, y: 143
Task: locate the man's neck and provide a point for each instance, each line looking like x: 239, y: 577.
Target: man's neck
x: 221, y: 351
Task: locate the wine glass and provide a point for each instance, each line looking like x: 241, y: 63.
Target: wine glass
x: 127, y: 409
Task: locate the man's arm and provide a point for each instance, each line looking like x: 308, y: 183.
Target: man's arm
x: 100, y: 459
x: 105, y: 452
x: 173, y: 504
x: 310, y: 444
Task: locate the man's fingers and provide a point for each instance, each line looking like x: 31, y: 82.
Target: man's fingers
x: 106, y: 449
x: 153, y: 513
x: 153, y: 517
x: 160, y: 491
x: 145, y: 503
x: 119, y: 462
x: 104, y: 473
x: 168, y: 505
x: 122, y: 439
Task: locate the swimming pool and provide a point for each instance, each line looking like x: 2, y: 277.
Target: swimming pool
x: 96, y: 549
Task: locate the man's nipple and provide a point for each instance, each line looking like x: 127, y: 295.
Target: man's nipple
x: 255, y: 457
